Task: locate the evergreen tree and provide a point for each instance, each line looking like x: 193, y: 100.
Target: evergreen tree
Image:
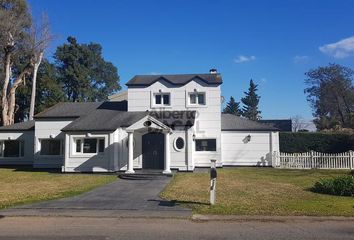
x: 250, y: 101
x: 233, y: 107
x: 84, y: 73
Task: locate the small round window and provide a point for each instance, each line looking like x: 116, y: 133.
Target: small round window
x: 179, y: 143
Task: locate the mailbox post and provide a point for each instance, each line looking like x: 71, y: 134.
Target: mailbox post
x: 213, y: 176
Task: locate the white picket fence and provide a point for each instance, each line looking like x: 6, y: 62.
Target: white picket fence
x: 317, y: 160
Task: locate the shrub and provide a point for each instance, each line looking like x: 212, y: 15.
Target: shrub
x: 319, y: 142
x: 341, y: 186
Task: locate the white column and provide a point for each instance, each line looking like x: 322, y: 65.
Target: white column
x: 67, y: 148
x: 167, y: 154
x: 115, y: 150
x: 130, y: 153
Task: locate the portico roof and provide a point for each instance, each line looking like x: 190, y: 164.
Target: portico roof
x: 148, y: 122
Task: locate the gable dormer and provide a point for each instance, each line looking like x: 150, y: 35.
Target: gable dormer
x: 174, y: 91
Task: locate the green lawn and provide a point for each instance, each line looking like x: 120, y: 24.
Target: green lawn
x: 23, y: 185
x: 259, y: 191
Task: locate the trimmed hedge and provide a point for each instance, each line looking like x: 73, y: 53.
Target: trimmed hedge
x: 340, y: 186
x: 319, y: 142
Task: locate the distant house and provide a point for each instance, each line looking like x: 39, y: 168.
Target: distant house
x: 161, y: 122
x: 284, y: 125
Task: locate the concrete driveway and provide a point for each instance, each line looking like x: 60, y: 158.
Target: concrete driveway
x: 120, y: 198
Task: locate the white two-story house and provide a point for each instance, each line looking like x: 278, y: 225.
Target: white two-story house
x: 162, y: 122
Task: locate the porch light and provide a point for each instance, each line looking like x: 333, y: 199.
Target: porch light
x: 88, y: 135
x: 51, y: 136
x: 193, y: 136
x: 247, y: 138
x: 10, y: 138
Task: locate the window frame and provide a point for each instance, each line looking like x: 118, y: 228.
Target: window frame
x: 161, y: 94
x: 21, y: 148
x: 206, y: 151
x: 175, y: 144
x: 53, y: 139
x: 82, y: 141
x: 196, y: 95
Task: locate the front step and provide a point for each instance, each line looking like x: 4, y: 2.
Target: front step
x: 143, y: 176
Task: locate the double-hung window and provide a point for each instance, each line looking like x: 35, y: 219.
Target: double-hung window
x: 12, y: 148
x: 89, y: 145
x: 51, y: 147
x: 162, y: 99
x: 196, y: 98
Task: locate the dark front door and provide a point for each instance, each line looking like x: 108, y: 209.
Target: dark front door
x: 153, y: 151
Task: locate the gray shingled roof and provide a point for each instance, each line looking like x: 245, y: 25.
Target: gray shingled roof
x: 22, y: 126
x: 231, y: 122
x: 111, y: 115
x: 68, y: 110
x: 176, y: 79
x: 284, y: 125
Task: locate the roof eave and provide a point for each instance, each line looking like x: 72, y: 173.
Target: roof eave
x: 250, y: 130
x: 88, y: 130
x: 17, y: 130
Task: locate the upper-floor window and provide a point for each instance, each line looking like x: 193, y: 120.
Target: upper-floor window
x: 162, y: 99
x: 89, y: 145
x: 12, y: 148
x: 197, y: 98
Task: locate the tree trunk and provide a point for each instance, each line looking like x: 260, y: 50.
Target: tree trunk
x: 34, y: 82
x: 10, y: 98
x: 4, y: 102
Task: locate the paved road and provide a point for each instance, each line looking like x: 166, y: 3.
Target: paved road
x: 120, y: 198
x: 114, y: 228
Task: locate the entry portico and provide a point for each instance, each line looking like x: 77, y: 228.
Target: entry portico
x: 150, y: 126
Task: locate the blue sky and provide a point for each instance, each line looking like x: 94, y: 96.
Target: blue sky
x: 272, y: 42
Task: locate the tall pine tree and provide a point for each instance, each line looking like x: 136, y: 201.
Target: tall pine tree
x: 250, y: 101
x: 84, y: 73
x: 233, y: 107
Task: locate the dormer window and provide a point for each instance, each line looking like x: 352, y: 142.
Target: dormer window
x: 162, y: 99
x: 197, y: 98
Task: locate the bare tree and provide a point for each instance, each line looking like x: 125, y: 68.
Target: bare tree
x: 15, y: 21
x: 40, y: 39
x: 298, y: 123
x: 22, y: 46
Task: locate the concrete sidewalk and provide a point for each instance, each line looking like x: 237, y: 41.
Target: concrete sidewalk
x: 250, y: 218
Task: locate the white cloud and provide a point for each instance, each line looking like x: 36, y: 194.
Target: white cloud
x: 243, y: 59
x: 301, y: 58
x: 154, y: 73
x: 341, y: 49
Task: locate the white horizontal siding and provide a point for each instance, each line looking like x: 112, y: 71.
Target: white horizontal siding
x: 45, y: 129
x: 208, y: 118
x: 258, y: 151
x: 100, y: 162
